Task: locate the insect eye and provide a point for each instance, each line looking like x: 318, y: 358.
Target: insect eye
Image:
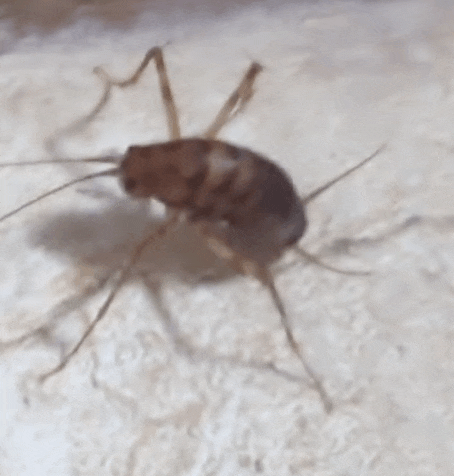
x: 129, y: 184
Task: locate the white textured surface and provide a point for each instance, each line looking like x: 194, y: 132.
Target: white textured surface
x: 339, y: 80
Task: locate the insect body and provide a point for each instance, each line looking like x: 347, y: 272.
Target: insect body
x: 243, y: 204
x: 243, y: 199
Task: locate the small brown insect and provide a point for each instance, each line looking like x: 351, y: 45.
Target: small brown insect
x: 244, y: 205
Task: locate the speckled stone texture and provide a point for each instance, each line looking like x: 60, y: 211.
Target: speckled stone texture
x: 178, y: 386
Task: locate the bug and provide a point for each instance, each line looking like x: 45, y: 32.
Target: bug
x: 243, y: 204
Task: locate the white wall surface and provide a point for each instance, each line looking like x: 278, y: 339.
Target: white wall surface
x: 340, y: 79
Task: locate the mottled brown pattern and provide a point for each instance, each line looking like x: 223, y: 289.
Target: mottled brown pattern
x: 213, y: 180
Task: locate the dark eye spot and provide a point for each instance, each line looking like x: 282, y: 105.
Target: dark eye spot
x: 129, y: 184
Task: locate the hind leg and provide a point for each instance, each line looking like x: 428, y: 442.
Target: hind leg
x: 109, y: 83
x: 262, y: 273
x: 164, y: 85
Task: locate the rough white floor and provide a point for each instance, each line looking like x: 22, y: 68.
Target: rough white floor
x: 340, y: 79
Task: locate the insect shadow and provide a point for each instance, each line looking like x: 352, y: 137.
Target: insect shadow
x: 243, y: 206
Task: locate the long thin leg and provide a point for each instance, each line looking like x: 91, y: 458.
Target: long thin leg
x: 51, y: 143
x: 65, y: 307
x: 123, y: 275
x: 164, y: 83
x: 268, y: 281
x: 237, y: 262
x: 200, y: 355
x: 238, y: 99
x: 109, y: 82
